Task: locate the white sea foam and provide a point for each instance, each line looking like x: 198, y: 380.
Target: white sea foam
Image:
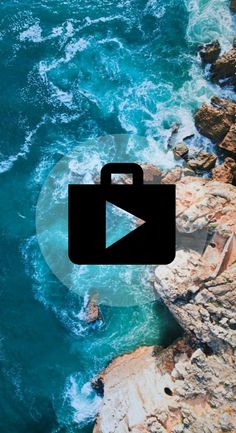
x: 74, y: 47
x: 83, y: 400
x: 33, y: 33
x: 111, y: 40
x: 8, y: 163
x: 210, y: 20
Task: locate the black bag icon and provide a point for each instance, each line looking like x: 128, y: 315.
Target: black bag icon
x: 152, y: 242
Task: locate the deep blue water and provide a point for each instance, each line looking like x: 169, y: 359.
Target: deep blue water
x: 72, y: 71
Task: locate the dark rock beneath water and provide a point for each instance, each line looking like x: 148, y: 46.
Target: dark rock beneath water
x: 233, y: 5
x: 98, y: 385
x: 174, y: 131
x: 92, y: 310
x: 209, y: 53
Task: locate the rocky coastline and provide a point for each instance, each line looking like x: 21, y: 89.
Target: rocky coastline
x: 190, y: 386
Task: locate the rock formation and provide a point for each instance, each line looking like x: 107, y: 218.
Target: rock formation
x: 209, y: 53
x: 180, y: 151
x: 225, y: 172
x: 203, y: 161
x: 92, y: 311
x: 215, y: 120
x: 223, y: 70
x: 191, y: 385
x: 233, y: 5
x: 229, y: 141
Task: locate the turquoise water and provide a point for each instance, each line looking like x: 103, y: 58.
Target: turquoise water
x: 72, y: 71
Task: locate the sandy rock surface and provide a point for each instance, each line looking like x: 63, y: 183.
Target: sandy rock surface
x: 189, y: 387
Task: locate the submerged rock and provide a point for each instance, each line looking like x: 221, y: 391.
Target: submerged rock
x: 233, y: 5
x: 209, y: 53
x: 203, y: 161
x: 92, y: 310
x: 225, y: 172
x: 223, y: 70
x: 214, y: 121
x: 173, y: 132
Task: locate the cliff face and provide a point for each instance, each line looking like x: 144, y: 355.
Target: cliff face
x: 191, y: 385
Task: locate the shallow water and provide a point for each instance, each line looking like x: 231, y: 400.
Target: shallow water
x: 72, y: 71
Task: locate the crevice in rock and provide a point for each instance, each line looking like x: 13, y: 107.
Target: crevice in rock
x: 168, y: 391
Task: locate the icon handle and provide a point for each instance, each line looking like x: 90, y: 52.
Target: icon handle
x: 120, y: 168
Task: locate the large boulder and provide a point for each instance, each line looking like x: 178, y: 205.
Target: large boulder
x: 225, y: 172
x: 209, y: 53
x: 229, y: 141
x: 214, y: 121
x: 203, y: 161
x: 180, y: 150
x: 223, y: 70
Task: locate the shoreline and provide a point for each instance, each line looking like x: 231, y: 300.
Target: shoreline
x: 196, y: 373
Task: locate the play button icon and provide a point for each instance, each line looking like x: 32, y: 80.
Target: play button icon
x: 119, y: 223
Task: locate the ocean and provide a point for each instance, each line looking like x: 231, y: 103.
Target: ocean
x: 71, y: 72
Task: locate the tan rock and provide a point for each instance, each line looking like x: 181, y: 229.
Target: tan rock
x: 229, y: 142
x: 201, y: 203
x: 188, y: 171
x: 172, y: 176
x: 190, y: 386
x: 143, y: 396
x: 225, y: 172
x: 225, y: 105
x: 214, y: 121
x: 203, y: 161
x: 223, y: 70
x: 180, y: 150
x: 152, y: 173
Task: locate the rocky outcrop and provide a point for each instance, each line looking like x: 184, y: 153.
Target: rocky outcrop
x: 92, y: 311
x: 180, y: 151
x: 225, y: 172
x: 176, y: 390
x: 223, y: 70
x: 189, y: 386
x: 209, y: 53
x: 215, y: 120
x: 172, y: 176
x: 229, y: 142
x: 203, y: 161
x: 233, y: 5
x: 152, y: 173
